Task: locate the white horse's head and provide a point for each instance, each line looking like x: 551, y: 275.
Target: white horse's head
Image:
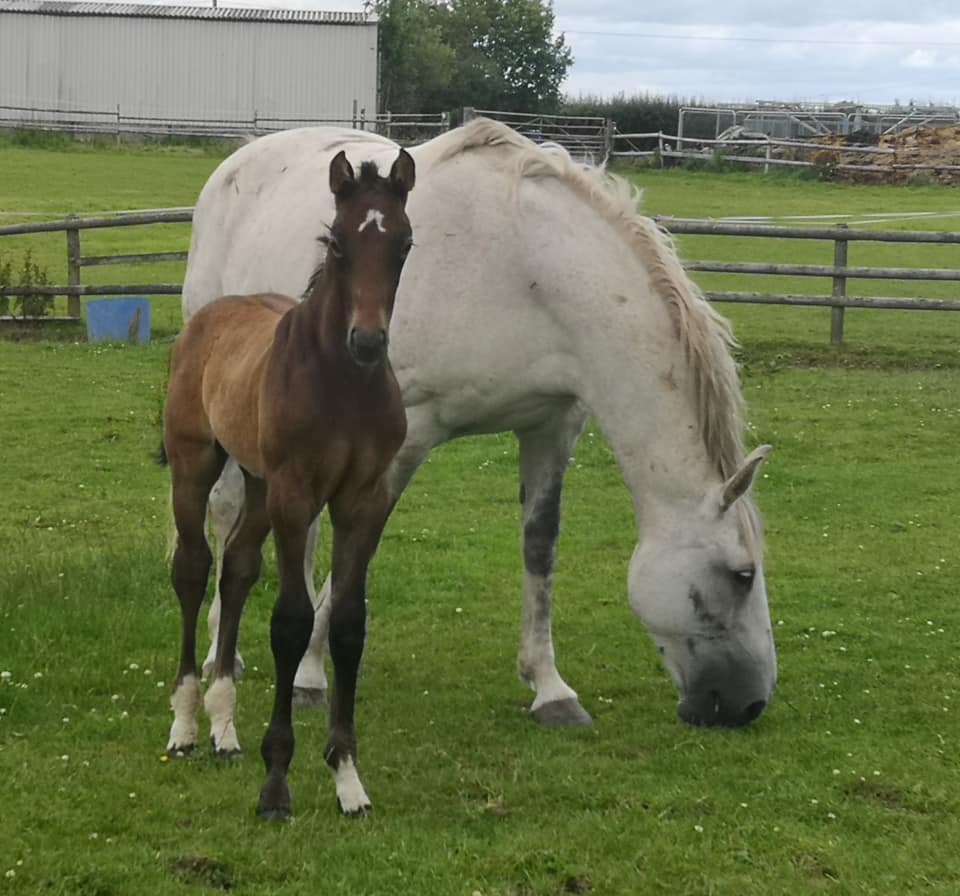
x: 697, y: 584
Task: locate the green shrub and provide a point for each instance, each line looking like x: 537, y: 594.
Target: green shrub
x: 28, y: 273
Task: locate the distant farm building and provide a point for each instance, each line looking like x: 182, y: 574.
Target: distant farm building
x: 187, y: 69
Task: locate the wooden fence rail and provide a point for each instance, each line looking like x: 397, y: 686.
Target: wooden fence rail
x: 839, y: 272
x: 71, y: 226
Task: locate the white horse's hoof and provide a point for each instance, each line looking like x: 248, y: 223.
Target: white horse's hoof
x: 309, y: 698
x: 562, y: 714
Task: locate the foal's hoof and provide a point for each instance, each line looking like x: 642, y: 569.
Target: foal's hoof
x: 274, y: 802
x: 309, y: 698
x: 562, y: 714
x: 273, y: 814
x: 359, y: 810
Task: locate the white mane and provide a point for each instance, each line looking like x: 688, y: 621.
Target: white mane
x: 705, y: 336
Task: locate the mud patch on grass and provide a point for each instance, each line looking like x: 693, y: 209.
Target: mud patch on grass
x: 204, y: 871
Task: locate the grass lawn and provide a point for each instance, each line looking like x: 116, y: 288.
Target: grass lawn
x: 848, y: 784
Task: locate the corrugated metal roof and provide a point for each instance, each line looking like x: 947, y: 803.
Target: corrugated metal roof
x: 156, y: 11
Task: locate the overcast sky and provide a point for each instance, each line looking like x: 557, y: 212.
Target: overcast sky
x: 872, y: 51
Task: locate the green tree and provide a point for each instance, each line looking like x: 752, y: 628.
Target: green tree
x: 506, y: 55
x: 416, y: 66
x: 492, y: 54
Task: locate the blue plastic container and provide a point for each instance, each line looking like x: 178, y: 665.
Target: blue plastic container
x: 124, y: 319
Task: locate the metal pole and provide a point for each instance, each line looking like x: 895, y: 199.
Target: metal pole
x: 839, y: 289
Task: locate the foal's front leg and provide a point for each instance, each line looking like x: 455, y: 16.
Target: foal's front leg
x: 291, y: 513
x: 358, y: 522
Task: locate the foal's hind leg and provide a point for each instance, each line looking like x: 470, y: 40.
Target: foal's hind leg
x: 194, y: 469
x: 544, y: 454
x: 242, y: 559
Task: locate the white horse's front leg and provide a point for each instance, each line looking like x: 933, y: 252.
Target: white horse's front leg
x: 544, y: 456
x: 225, y: 505
x: 310, y: 683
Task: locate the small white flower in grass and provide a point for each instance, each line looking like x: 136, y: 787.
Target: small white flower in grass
x: 124, y: 715
x: 815, y: 802
x: 64, y: 757
x: 831, y: 816
x: 836, y: 771
x: 856, y: 721
x: 134, y: 666
x: 10, y: 874
x: 132, y: 795
x: 115, y: 698
x: 38, y: 675
x: 698, y: 828
x: 458, y: 610
x: 65, y: 720
x: 6, y: 676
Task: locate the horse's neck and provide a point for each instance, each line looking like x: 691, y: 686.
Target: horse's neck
x: 634, y: 375
x: 322, y: 315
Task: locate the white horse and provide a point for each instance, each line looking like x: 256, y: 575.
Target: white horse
x: 535, y: 292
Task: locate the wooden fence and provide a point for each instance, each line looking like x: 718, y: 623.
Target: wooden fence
x: 659, y: 146
x: 839, y: 273
x: 72, y: 226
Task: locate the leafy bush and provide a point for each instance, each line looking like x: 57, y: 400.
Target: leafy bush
x: 29, y: 273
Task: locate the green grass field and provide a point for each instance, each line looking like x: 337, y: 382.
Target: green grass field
x: 848, y: 784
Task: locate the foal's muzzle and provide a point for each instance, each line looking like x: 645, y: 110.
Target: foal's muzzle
x: 368, y: 347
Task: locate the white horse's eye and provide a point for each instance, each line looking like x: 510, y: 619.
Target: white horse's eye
x: 745, y: 575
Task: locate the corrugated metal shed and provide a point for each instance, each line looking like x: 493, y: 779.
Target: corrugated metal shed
x: 100, y: 62
x: 155, y: 11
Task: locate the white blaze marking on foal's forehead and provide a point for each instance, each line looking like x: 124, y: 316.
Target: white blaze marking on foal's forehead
x: 374, y: 216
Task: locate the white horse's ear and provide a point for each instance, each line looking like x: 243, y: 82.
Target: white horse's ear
x: 341, y: 173
x: 739, y: 483
x: 403, y: 174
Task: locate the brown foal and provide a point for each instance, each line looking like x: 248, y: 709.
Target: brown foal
x: 302, y: 395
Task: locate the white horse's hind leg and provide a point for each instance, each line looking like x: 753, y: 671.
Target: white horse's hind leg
x: 544, y: 455
x: 310, y: 682
x: 225, y: 505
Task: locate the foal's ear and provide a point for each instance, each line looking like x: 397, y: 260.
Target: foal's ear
x: 403, y: 174
x: 739, y: 483
x: 341, y: 173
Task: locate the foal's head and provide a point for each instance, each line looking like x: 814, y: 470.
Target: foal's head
x: 366, y: 248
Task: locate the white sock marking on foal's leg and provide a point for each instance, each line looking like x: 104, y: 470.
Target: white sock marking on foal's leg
x: 220, y: 702
x: 185, y: 703
x: 350, y: 793
x: 374, y: 216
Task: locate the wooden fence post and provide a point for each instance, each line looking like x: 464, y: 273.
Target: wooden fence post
x: 839, y: 289
x: 73, y: 267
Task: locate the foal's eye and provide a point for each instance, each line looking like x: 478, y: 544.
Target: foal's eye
x: 333, y: 247
x: 745, y: 575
